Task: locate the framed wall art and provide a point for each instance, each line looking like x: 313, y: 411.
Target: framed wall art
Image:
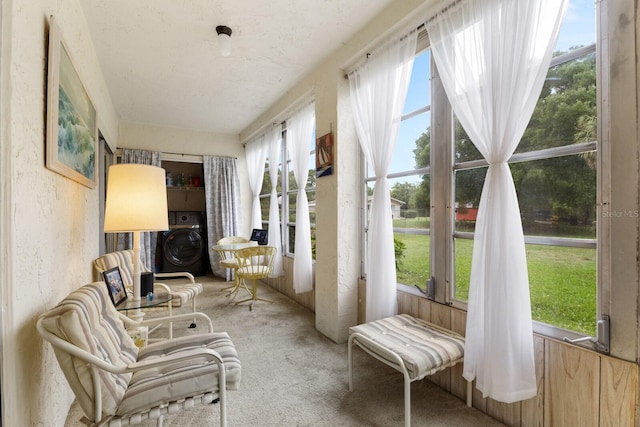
x: 72, y: 125
x: 324, y: 155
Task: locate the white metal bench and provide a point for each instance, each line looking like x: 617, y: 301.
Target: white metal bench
x: 412, y: 346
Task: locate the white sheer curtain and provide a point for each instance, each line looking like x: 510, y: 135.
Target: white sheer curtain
x: 256, y: 153
x: 492, y: 56
x: 222, y: 201
x: 378, y: 91
x: 299, y: 139
x: 273, y: 141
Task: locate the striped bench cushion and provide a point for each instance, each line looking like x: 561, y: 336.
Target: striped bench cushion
x: 180, y: 380
x: 424, y: 348
x: 87, y: 319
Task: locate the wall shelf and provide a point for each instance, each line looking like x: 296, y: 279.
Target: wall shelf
x: 187, y: 197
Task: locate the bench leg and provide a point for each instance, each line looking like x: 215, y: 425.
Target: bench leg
x: 350, y: 363
x: 170, y: 307
x: 407, y: 401
x: 193, y: 324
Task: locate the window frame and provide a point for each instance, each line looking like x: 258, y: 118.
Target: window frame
x: 422, y: 45
x: 444, y: 167
x: 285, y: 192
x: 598, y: 244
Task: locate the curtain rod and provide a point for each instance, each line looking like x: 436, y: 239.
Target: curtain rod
x: 419, y: 28
x: 445, y: 9
x: 294, y: 107
x: 201, y: 155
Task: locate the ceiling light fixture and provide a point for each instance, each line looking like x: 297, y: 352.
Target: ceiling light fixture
x: 224, y: 39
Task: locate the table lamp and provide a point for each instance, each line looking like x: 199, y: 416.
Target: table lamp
x: 136, y: 201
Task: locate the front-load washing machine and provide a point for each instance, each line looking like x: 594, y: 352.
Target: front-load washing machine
x: 184, y: 246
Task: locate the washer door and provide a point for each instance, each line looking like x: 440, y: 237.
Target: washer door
x: 183, y: 247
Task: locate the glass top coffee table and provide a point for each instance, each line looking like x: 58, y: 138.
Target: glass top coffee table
x: 158, y: 299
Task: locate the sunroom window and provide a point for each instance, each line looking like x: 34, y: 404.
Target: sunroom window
x: 409, y: 180
x: 555, y: 171
x: 287, y: 186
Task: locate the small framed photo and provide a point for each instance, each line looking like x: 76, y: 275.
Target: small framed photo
x: 116, y: 289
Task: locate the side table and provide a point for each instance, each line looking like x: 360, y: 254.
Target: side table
x: 140, y: 334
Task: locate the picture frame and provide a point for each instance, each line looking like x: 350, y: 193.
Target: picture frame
x: 115, y: 286
x: 324, y: 155
x: 72, y: 120
x: 260, y: 236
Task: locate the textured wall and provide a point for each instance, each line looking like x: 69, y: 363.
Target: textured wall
x: 50, y: 223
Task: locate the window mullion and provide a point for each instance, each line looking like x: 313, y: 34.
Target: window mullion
x: 441, y: 189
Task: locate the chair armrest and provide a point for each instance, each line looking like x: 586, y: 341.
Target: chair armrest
x: 174, y: 318
x: 175, y: 275
x: 136, y: 366
x: 107, y: 366
x: 163, y: 286
x: 179, y: 357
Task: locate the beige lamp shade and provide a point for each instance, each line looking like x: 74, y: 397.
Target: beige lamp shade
x: 136, y: 199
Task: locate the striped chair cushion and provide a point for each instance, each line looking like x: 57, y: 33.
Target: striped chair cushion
x: 181, y: 379
x: 87, y: 318
x: 182, y: 292
x: 122, y: 259
x: 424, y: 348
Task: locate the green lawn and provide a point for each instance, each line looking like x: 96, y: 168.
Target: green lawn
x: 562, y: 280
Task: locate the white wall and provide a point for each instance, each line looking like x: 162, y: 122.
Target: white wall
x: 49, y: 224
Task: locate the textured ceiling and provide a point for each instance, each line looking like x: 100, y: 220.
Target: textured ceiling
x: 162, y: 66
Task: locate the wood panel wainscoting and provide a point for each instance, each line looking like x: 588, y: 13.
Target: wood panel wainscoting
x: 576, y: 386
x: 284, y: 285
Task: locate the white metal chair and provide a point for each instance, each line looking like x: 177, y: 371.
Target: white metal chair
x: 255, y: 262
x: 116, y: 383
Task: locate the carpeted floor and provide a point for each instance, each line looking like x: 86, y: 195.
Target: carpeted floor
x: 294, y: 376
